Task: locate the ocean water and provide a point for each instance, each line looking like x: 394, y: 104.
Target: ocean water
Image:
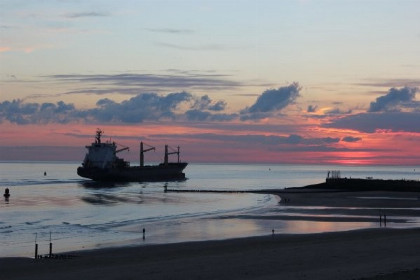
x: 74, y: 213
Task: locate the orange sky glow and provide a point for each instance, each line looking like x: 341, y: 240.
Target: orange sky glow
x: 287, y: 82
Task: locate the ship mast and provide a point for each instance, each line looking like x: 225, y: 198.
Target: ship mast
x: 142, y: 151
x: 98, y: 136
x: 167, y: 153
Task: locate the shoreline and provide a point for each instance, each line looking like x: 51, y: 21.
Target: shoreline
x: 374, y: 253
x: 361, y: 254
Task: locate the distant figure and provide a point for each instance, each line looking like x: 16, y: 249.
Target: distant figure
x: 45, y: 173
x: 6, y: 193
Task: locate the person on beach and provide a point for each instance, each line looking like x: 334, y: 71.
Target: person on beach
x: 6, y: 194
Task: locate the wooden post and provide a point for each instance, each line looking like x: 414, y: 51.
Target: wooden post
x: 36, y: 250
x: 141, y: 154
x: 165, y: 160
x: 50, y: 246
x: 36, y: 246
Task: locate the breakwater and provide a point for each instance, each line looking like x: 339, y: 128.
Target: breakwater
x: 357, y: 184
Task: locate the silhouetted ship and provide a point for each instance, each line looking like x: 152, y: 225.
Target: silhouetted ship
x: 102, y: 164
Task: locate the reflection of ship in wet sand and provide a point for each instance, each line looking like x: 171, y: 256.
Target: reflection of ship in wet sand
x: 102, y: 164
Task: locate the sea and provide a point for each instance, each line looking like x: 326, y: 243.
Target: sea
x: 50, y: 203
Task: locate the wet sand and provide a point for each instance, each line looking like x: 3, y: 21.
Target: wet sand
x: 381, y: 253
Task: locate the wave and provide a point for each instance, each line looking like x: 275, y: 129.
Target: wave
x: 31, y: 182
x: 263, y: 202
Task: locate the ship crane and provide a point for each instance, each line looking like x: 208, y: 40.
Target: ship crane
x: 122, y: 149
x: 167, y: 153
x: 142, y: 151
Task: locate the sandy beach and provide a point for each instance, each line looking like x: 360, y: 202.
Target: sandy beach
x: 378, y: 253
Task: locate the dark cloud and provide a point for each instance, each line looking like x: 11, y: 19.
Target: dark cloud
x: 136, y: 83
x: 292, y: 139
x: 19, y: 112
x: 293, y: 142
x: 203, y: 107
x: 312, y: 108
x: 275, y: 99
x: 148, y: 106
x: 395, y: 100
x: 271, y: 101
x: 337, y: 111
x: 371, y: 122
x: 391, y: 83
x: 142, y: 107
x: 351, y: 139
x: 396, y: 111
x: 297, y: 139
x: 197, y: 115
x: 205, y: 103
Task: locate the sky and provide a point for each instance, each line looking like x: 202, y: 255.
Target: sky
x: 244, y: 81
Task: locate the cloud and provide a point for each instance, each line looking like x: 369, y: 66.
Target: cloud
x: 271, y: 101
x: 292, y: 139
x: 170, y: 30
x: 85, y: 14
x: 371, y: 122
x: 142, y: 107
x: 337, y: 111
x: 395, y: 100
x: 181, y: 106
x: 135, y: 83
x: 397, y: 111
x: 197, y: 115
x: 205, y: 103
x: 312, y: 108
x: 210, y: 47
x: 292, y: 142
x: 148, y: 106
x: 19, y: 112
x: 351, y: 139
x: 390, y: 83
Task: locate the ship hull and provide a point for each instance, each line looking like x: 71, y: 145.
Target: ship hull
x: 162, y: 172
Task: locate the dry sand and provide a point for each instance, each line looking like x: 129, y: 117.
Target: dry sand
x: 381, y: 253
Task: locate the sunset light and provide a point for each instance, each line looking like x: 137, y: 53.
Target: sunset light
x: 314, y: 82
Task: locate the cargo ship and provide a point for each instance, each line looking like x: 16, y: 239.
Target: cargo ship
x: 102, y: 164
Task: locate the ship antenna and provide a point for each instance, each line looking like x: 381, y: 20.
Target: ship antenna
x: 98, y: 136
